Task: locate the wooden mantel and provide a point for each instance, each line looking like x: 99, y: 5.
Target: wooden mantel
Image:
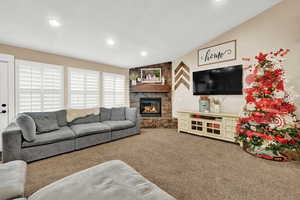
x: 151, y: 88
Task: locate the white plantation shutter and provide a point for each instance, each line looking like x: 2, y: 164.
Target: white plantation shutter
x: 113, y: 90
x: 83, y: 88
x: 40, y: 87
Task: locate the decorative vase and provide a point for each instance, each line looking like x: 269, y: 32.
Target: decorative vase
x: 133, y: 82
x: 204, y: 105
x: 217, y: 108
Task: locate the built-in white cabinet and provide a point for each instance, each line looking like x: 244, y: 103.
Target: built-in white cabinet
x: 216, y: 125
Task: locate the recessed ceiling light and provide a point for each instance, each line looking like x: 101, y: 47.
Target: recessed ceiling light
x: 144, y: 53
x: 110, y: 42
x: 54, y: 23
x: 220, y: 1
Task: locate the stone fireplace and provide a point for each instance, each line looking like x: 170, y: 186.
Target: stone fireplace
x: 150, y: 107
x: 154, y: 100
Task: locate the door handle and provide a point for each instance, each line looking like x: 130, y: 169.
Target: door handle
x: 4, y: 105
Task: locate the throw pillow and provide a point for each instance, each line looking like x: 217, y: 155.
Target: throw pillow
x: 44, y: 121
x: 117, y: 114
x: 105, y: 114
x: 61, y: 117
x: 27, y: 126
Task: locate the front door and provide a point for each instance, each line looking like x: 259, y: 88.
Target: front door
x: 6, y: 92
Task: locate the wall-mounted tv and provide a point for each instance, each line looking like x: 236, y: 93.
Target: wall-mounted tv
x: 220, y: 81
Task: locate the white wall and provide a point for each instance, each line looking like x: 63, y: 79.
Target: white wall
x: 276, y: 28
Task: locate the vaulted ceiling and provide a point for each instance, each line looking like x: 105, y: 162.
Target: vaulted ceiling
x: 125, y: 33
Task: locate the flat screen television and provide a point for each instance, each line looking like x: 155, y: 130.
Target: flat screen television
x: 220, y: 81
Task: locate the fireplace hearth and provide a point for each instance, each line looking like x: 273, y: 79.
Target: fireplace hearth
x: 150, y: 107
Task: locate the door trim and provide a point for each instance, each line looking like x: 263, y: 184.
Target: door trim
x: 11, y: 84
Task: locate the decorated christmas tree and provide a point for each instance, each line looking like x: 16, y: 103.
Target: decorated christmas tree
x: 268, y: 127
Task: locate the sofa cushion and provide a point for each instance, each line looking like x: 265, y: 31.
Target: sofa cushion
x: 83, y: 116
x: 27, y: 126
x: 44, y: 121
x: 117, y: 114
x: 12, y: 179
x: 119, y: 125
x: 89, y: 129
x: 112, y: 180
x: 61, y: 117
x: 64, y: 133
x: 105, y: 114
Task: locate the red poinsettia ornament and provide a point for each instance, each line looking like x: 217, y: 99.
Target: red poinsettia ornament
x: 261, y: 57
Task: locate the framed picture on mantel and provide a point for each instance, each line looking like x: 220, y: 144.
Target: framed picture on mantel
x: 151, y: 75
x: 216, y: 54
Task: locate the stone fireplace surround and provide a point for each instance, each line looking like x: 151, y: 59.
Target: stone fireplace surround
x: 165, y: 120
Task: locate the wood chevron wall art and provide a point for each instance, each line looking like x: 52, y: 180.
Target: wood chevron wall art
x: 182, y: 75
x: 180, y: 66
x: 184, y: 82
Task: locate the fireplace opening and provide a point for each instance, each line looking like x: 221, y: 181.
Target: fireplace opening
x: 150, y: 107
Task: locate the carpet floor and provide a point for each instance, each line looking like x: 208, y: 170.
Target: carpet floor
x: 187, y: 167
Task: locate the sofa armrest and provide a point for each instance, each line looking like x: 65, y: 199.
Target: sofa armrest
x: 13, y: 178
x: 138, y: 124
x: 131, y: 114
x: 12, y: 141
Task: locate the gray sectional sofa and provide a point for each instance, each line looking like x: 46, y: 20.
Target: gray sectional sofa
x: 55, y: 135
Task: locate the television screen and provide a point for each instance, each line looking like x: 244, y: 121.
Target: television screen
x: 220, y: 81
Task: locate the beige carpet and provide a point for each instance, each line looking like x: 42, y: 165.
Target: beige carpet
x: 186, y: 166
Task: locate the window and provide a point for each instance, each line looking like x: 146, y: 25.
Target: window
x: 40, y: 87
x: 113, y: 90
x: 83, y: 88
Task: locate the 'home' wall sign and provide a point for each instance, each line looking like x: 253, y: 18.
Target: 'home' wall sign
x: 216, y: 54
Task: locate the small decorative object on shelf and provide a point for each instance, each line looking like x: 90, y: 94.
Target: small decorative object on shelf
x: 204, y: 104
x: 133, y: 77
x: 216, y: 103
x: 163, y: 80
x: 268, y: 127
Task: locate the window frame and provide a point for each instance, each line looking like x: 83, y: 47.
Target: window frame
x: 42, y: 91
x: 114, y: 92
x: 70, y: 69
